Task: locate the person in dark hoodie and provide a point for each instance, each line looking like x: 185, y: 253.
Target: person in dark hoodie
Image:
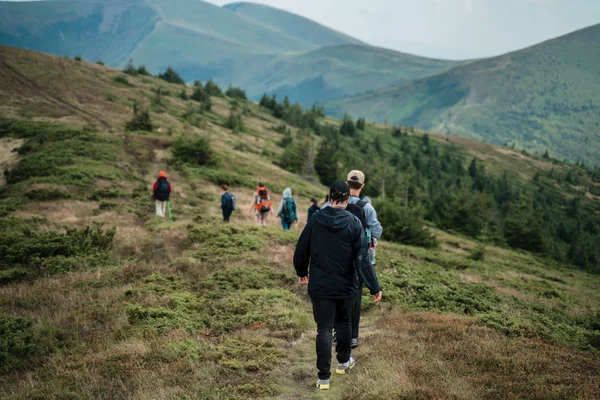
x: 314, y: 207
x: 333, y: 244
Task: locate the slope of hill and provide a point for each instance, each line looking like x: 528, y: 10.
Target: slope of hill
x: 546, y: 97
x: 259, y: 47
x: 198, y: 309
x: 333, y: 72
x: 292, y: 24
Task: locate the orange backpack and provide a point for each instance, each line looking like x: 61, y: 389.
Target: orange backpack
x: 263, y: 204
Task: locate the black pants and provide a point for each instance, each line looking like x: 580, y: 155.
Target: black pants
x: 226, y: 214
x: 329, y: 313
x: 356, y: 313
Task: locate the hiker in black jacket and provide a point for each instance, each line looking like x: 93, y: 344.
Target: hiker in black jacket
x: 333, y: 243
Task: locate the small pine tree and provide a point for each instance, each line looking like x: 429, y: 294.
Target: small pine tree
x: 142, y: 71
x: 78, y: 57
x: 140, y: 121
x: 100, y: 62
x: 235, y: 122
x: 130, y: 68
x: 326, y: 164
x: 183, y: 95
x: 200, y: 94
x: 213, y: 89
x: 236, y: 93
x: 206, y: 105
x: 170, y: 75
x: 360, y: 124
x: 473, y: 168
x: 347, y: 128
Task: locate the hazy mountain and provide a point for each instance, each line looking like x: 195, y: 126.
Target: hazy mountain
x: 543, y: 97
x: 257, y: 47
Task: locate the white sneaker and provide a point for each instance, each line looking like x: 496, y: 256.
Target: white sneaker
x: 323, y: 384
x: 342, y: 368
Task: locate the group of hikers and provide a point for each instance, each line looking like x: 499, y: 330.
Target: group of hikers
x: 334, y: 256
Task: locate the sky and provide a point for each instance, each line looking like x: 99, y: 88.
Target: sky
x: 451, y: 29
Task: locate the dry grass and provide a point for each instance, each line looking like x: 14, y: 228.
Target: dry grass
x: 428, y: 356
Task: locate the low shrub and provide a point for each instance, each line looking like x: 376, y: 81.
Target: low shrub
x: 404, y: 225
x: 100, y: 194
x: 27, y: 253
x: 122, y: 80
x: 176, y: 307
x: 193, y: 150
x: 46, y: 194
x: 22, y: 339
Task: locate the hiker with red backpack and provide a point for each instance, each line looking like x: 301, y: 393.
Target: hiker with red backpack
x: 262, y: 205
x: 161, y: 191
x: 287, y: 210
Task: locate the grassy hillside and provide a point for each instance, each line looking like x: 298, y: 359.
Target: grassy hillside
x: 140, y: 307
x: 542, y: 98
x: 261, y: 48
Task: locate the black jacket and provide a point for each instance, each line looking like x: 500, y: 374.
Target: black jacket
x: 312, y: 211
x: 333, y: 242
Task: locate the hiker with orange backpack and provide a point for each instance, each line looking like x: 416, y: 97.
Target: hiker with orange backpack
x: 262, y: 205
x: 161, y: 191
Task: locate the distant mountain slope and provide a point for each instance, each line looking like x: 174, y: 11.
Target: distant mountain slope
x: 292, y: 24
x: 257, y: 47
x: 333, y: 72
x: 542, y: 97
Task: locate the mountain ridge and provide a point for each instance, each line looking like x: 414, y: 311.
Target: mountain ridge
x: 543, y: 97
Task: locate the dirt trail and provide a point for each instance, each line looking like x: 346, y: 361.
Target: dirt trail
x: 297, y: 377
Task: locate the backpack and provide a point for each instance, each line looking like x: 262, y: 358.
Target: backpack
x: 228, y: 201
x: 163, y: 186
x: 263, y: 192
x: 162, y: 189
x: 358, y: 211
x: 263, y: 204
x: 289, y: 210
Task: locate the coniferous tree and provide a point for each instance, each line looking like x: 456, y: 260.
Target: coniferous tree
x: 473, y: 168
x: 347, y: 128
x: 170, y: 75
x: 212, y: 89
x: 326, y: 164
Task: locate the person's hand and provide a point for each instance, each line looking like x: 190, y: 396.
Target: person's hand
x: 303, y: 280
x: 377, y: 297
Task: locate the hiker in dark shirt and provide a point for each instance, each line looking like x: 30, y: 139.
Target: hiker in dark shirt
x: 227, y: 203
x: 314, y: 207
x: 334, y: 244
